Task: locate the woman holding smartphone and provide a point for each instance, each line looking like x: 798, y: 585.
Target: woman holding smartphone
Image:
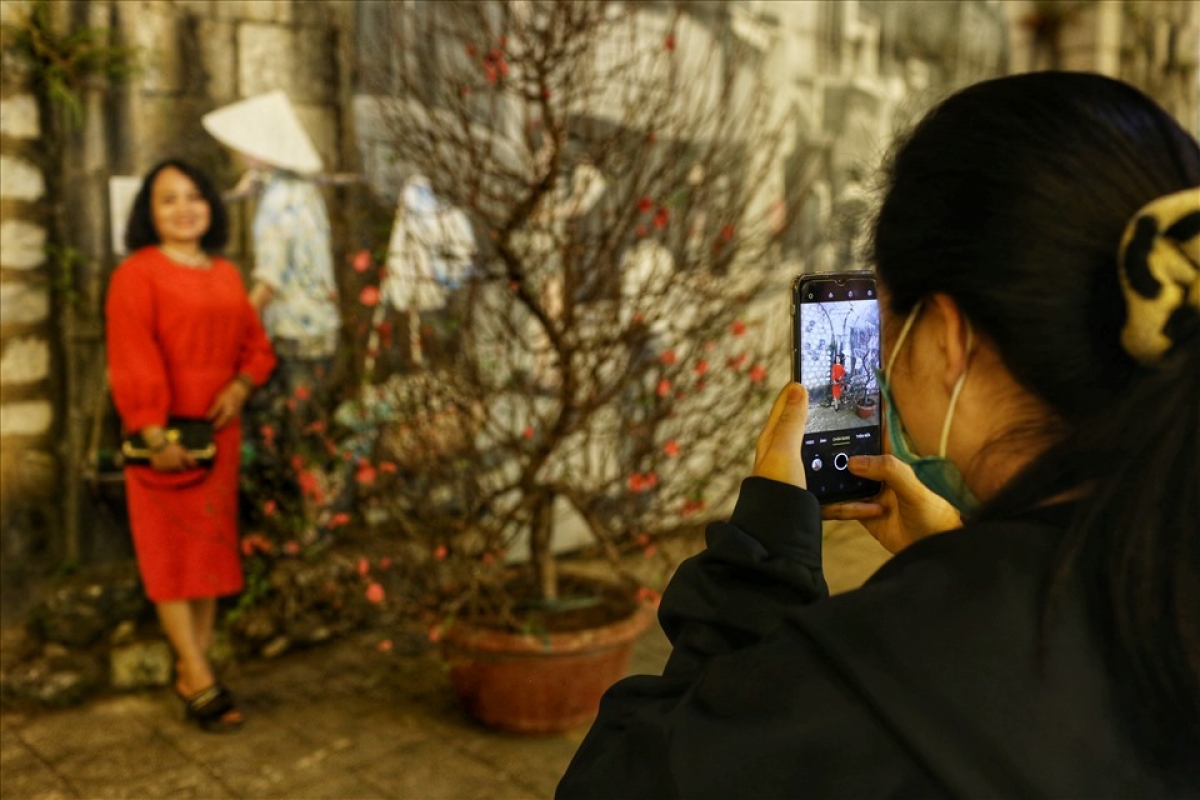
x: 183, y: 341
x: 1038, y: 631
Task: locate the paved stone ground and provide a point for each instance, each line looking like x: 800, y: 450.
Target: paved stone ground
x: 341, y: 721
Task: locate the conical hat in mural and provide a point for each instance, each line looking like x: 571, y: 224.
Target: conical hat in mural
x: 265, y: 128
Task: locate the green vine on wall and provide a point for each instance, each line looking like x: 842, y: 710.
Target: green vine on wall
x: 64, y: 63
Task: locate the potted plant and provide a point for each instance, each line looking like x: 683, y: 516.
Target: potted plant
x: 585, y: 378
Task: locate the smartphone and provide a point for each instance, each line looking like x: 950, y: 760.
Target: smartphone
x: 835, y: 354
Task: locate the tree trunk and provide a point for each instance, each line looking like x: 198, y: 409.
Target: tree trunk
x: 541, y: 554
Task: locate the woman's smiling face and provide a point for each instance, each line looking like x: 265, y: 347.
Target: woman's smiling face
x: 181, y: 214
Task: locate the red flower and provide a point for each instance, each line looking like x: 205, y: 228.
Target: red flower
x: 488, y: 558
x: 362, y: 261
x: 315, y: 427
x: 302, y: 393
x: 268, y: 433
x: 297, y: 463
x: 727, y: 232
x: 636, y: 483
x: 701, y: 367
x: 440, y: 552
x: 664, y: 388
x: 651, y: 480
x: 641, y: 231
x: 528, y: 432
x: 388, y: 467
x: 385, y: 646
x: 338, y: 520
x: 385, y: 563
x: 649, y: 550
x: 363, y: 567
x: 757, y: 373
x: 270, y: 508
x: 375, y: 593
x: 435, y: 634
x: 668, y: 357
x: 669, y: 42
x: 647, y: 595
x: 366, y: 474
x: 308, y: 482
x: 737, y: 328
x: 644, y: 204
x: 671, y: 448
x: 369, y: 296
x: 736, y: 362
x: 292, y: 548
x: 661, y: 218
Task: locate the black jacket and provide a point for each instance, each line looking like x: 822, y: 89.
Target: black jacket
x: 936, y: 678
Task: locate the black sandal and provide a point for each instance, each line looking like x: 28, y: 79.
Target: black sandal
x: 208, y: 708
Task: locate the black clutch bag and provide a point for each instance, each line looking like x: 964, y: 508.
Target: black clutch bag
x: 196, y: 436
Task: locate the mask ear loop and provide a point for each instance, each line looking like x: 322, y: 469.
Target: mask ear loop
x: 908, y: 323
x: 962, y: 379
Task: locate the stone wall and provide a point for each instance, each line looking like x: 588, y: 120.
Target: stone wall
x: 30, y: 421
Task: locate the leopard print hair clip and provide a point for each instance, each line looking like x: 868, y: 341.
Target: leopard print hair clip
x: 1160, y: 275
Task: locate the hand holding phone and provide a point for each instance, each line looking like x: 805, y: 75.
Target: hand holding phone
x: 777, y: 453
x: 903, y: 512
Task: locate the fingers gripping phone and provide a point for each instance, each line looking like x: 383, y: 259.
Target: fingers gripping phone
x: 835, y: 354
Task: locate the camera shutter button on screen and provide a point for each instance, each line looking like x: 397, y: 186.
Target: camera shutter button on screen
x: 841, y: 461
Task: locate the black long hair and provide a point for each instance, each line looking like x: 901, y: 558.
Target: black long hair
x: 140, y: 231
x: 1011, y: 197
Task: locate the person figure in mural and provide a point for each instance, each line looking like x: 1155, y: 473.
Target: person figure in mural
x: 294, y: 287
x: 184, y: 341
x: 1036, y: 632
x: 430, y: 254
x: 837, y: 375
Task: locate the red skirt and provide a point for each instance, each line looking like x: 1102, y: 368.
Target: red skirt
x: 185, y: 525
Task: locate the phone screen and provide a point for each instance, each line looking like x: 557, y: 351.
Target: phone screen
x: 835, y: 334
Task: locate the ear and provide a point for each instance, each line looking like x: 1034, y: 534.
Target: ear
x: 949, y: 329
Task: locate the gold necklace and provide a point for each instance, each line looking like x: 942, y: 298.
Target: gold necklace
x: 194, y: 260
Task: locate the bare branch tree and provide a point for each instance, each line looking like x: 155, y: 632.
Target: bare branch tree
x: 610, y: 158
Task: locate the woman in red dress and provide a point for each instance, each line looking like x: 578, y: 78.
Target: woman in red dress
x: 183, y: 341
x: 836, y: 376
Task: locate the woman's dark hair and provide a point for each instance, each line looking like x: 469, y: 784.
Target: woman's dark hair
x: 140, y: 232
x: 1011, y: 197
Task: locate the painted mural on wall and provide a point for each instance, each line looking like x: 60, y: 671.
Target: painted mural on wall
x: 846, y: 75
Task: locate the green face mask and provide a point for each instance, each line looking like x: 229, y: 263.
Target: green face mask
x: 937, y: 473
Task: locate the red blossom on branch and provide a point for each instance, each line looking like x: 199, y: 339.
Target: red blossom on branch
x: 369, y: 296
x: 363, y: 567
x: 758, y: 373
x: 375, y: 594
x: 440, y: 552
x: 365, y: 476
x: 661, y: 218
x: 671, y: 448
x: 664, y: 388
x: 668, y: 357
x: 737, y: 328
x: 669, y: 42
x: 701, y: 367
x: 362, y: 261
x: 644, y: 204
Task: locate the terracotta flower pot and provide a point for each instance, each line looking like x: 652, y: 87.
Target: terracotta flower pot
x: 539, y: 684
x: 865, y: 410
